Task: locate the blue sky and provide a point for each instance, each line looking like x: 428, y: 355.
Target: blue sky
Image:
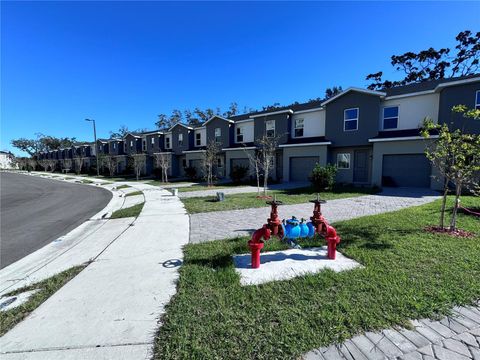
x: 122, y: 63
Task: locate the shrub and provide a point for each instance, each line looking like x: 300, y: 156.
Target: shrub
x: 238, y: 173
x: 191, y: 172
x: 323, y: 177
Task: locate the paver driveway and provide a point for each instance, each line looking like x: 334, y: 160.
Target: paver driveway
x: 233, y: 223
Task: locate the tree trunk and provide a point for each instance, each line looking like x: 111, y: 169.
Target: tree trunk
x: 453, y: 222
x: 444, y: 203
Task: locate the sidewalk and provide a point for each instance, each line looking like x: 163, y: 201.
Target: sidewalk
x: 111, y: 309
x: 455, y: 337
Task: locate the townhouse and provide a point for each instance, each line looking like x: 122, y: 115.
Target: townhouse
x: 371, y: 136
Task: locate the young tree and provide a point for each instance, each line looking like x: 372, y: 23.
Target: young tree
x: 32, y: 163
x: 44, y: 164
x: 78, y: 161
x: 66, y: 165
x: 162, y: 161
x: 434, y: 64
x: 456, y: 155
x: 255, y: 162
x: 267, y: 146
x: 138, y: 163
x: 110, y: 162
x: 210, y: 161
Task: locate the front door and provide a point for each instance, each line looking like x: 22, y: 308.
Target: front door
x: 360, y: 166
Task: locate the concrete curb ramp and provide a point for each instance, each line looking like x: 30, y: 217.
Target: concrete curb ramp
x: 111, y: 309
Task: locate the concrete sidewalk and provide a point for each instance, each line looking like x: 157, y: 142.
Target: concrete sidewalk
x: 111, y: 309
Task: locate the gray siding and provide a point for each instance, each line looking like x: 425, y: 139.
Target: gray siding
x: 456, y: 95
x: 226, y: 129
x: 282, y: 126
x: 347, y: 176
x: 157, y: 143
x: 369, y: 110
x: 176, y: 148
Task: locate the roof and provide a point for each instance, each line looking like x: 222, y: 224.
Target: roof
x: 315, y: 139
x: 360, y: 90
x: 180, y: 124
x: 294, y: 107
x: 427, y: 85
x: 216, y: 117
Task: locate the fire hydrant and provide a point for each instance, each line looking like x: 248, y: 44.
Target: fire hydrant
x: 332, y: 240
x: 256, y: 244
x: 274, y: 222
x: 318, y: 221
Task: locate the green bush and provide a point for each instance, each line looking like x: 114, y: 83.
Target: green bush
x: 238, y: 173
x: 191, y: 172
x: 323, y: 177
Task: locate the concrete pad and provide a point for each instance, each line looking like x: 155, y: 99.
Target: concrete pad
x: 140, y: 352
x: 133, y: 200
x: 288, y: 264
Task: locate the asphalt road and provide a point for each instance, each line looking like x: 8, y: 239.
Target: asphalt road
x: 35, y: 211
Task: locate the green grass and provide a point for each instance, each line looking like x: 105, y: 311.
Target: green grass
x: 132, y: 211
x: 249, y: 200
x: 205, y: 187
x: 86, y: 181
x: 123, y: 187
x: 47, y: 287
x: 168, y: 184
x: 408, y: 273
x: 134, y: 193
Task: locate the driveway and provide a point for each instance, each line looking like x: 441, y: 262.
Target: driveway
x: 36, y: 211
x: 228, y: 224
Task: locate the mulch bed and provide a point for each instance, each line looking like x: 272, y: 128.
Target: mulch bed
x: 456, y: 233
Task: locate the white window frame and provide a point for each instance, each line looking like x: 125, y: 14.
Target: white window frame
x: 349, y: 161
x: 144, y: 145
x: 153, y: 140
x: 239, y: 132
x: 297, y: 127
x: 125, y: 146
x: 114, y: 145
x: 270, y: 126
x: 131, y: 144
x: 477, y: 101
x: 355, y: 119
x: 180, y: 139
x: 168, y: 142
x: 198, y: 139
x: 391, y: 117
x: 218, y: 135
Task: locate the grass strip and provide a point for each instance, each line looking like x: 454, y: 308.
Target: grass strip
x: 408, y: 273
x: 288, y: 196
x: 123, y: 187
x: 47, y: 287
x: 134, y: 193
x: 132, y: 211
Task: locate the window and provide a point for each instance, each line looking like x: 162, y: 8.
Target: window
x: 219, y: 163
x: 270, y: 128
x: 218, y: 135
x: 343, y: 161
x: 198, y: 139
x: 477, y: 100
x: 180, y: 139
x: 114, y: 145
x: 390, y: 117
x: 125, y: 146
x: 239, y: 134
x: 153, y: 141
x: 299, y: 127
x: 144, y: 145
x: 184, y: 163
x: 350, y: 119
x: 167, y: 142
x: 131, y: 144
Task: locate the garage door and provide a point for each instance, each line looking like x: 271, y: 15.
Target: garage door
x: 301, y: 167
x: 406, y: 170
x: 239, y: 162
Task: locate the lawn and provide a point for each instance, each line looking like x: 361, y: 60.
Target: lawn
x: 123, y: 187
x: 408, y: 273
x: 250, y: 200
x: 8, y: 319
x: 205, y: 187
x: 134, y: 193
x: 132, y: 211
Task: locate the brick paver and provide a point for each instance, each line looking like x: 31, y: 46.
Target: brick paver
x: 442, y: 340
x: 233, y: 223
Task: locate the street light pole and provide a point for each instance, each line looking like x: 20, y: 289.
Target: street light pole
x: 95, y: 139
